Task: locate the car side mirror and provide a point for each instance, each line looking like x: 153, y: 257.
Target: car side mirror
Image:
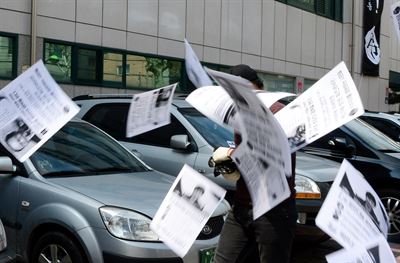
x: 179, y: 142
x: 342, y: 144
x: 6, y: 166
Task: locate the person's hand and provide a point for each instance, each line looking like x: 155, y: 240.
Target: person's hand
x: 222, y: 154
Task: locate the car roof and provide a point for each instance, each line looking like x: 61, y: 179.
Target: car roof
x: 390, y: 116
x: 179, y: 99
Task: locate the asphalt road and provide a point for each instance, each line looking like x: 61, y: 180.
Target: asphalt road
x: 316, y: 253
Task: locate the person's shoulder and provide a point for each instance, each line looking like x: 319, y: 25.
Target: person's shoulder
x: 277, y: 106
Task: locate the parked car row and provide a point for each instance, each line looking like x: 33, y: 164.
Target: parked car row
x: 85, y: 197
x: 191, y: 138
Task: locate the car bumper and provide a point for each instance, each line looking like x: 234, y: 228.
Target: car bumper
x: 7, y: 256
x: 113, y: 249
x: 307, y: 210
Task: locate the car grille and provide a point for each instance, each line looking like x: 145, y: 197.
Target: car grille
x: 212, y: 228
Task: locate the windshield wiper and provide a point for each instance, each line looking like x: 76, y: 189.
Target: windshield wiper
x: 113, y: 170
x: 63, y: 173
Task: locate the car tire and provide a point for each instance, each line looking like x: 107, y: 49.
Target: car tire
x: 391, y: 201
x: 56, y: 247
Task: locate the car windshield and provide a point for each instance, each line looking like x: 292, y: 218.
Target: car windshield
x: 372, y: 136
x: 215, y: 134
x: 79, y: 149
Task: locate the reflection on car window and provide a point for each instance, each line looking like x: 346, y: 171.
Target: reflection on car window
x: 80, y: 149
x: 385, y: 126
x: 215, y: 134
x: 372, y: 136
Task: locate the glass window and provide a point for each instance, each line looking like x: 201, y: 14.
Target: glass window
x: 79, y: 149
x: 150, y: 72
x: 277, y: 82
x: 304, y: 4
x: 215, y: 134
x: 7, y: 46
x: 332, y: 9
x: 110, y: 117
x: 387, y: 127
x: 162, y: 136
x: 87, y: 65
x: 112, y: 67
x: 57, y: 58
x: 308, y: 83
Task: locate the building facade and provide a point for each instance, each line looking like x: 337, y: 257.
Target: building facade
x: 128, y: 46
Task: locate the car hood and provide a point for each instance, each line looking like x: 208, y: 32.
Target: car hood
x: 316, y: 168
x: 142, y: 191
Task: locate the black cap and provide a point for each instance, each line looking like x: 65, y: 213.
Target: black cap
x: 246, y: 72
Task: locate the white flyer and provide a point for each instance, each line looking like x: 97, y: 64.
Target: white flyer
x: 395, y: 12
x: 32, y: 109
x: 215, y: 103
x: 329, y: 103
x: 150, y: 110
x: 352, y: 213
x: 377, y: 251
x: 264, y: 144
x: 194, y: 69
x: 186, y: 209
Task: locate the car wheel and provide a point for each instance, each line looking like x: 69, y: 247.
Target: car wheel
x: 56, y: 247
x: 391, y: 201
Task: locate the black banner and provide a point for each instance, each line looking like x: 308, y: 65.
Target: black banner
x: 371, y: 32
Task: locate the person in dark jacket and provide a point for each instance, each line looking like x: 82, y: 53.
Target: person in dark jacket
x: 272, y: 233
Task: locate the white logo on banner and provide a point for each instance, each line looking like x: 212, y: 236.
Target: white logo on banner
x: 372, y: 47
x: 395, y: 11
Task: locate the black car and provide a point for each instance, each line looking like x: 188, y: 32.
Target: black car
x: 375, y: 155
x: 387, y: 123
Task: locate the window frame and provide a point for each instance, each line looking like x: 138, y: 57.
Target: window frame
x: 14, y: 57
x: 336, y: 9
x: 100, y: 51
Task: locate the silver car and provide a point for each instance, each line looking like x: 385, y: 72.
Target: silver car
x: 191, y: 138
x: 82, y: 197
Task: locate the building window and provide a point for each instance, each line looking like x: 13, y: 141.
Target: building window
x: 308, y: 83
x: 7, y: 57
x: 277, y: 82
x: 332, y: 9
x: 112, y: 68
x: 87, y: 70
x: 57, y: 58
x: 303, y: 4
x: 151, y: 72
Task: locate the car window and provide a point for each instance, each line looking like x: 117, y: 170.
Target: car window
x: 162, y: 136
x: 215, y: 134
x: 385, y: 126
x: 372, y: 137
x: 80, y: 149
x: 110, y: 117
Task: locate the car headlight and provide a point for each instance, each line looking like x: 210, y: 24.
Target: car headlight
x: 306, y: 188
x: 127, y: 224
x: 3, y: 238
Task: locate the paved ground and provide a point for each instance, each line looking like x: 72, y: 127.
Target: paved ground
x: 316, y: 254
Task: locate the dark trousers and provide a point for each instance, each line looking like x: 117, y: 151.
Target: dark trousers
x: 272, y: 234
